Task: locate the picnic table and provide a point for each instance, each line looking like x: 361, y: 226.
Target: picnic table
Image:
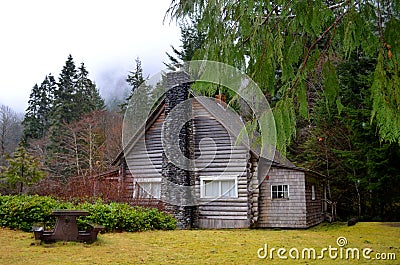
x: 66, y: 228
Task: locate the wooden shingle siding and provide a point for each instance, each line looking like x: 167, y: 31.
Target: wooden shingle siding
x: 289, y: 212
x: 314, y: 207
x: 228, y: 160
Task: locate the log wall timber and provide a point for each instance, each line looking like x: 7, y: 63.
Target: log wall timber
x: 145, y: 158
x: 283, y: 212
x: 229, y: 160
x: 254, y: 191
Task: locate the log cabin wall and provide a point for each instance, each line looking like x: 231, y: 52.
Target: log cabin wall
x: 254, y: 190
x: 125, y: 180
x: 252, y: 205
x: 283, y: 212
x: 229, y: 161
x: 145, y: 158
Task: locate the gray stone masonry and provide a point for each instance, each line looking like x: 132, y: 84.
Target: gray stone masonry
x: 177, y: 186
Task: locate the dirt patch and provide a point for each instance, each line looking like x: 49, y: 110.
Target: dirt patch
x: 392, y: 224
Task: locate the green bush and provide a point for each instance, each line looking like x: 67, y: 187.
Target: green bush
x: 123, y: 217
x: 21, y: 212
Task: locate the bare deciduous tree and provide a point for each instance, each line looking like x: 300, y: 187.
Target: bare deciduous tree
x: 10, y: 132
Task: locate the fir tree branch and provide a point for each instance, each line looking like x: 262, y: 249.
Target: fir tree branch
x: 380, y: 23
x: 332, y: 26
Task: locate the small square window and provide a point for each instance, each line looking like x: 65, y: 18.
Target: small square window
x: 280, y: 192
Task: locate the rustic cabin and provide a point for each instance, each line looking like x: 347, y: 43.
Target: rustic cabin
x: 226, y: 188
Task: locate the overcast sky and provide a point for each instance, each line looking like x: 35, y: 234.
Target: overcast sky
x: 38, y: 35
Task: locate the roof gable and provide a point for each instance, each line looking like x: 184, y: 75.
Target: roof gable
x: 224, y: 115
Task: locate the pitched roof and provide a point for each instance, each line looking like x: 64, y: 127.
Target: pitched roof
x: 229, y: 119
x: 224, y: 115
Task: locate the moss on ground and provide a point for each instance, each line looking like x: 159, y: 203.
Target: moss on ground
x: 232, y: 246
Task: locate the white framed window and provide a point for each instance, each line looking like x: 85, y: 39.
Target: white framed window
x: 313, y: 192
x: 280, y: 191
x: 147, y: 190
x: 219, y: 187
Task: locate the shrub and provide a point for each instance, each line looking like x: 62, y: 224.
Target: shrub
x: 122, y: 217
x: 21, y: 212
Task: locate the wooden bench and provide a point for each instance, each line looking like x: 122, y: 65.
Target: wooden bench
x: 66, y: 228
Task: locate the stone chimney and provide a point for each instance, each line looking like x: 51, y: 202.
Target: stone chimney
x: 177, y: 186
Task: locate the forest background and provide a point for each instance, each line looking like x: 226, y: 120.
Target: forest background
x: 330, y: 70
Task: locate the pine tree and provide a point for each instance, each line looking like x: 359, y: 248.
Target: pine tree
x: 63, y: 112
x: 135, y: 79
x: 87, y: 94
x: 346, y: 148
x: 54, y: 108
x: 76, y: 95
x: 32, y: 126
x: 22, y: 170
x: 64, y: 108
x: 192, y: 39
x: 36, y: 121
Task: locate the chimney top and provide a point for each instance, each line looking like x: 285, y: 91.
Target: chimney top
x: 176, y: 78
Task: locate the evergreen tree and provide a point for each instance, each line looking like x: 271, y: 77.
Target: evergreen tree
x: 22, y: 170
x: 54, y: 108
x: 135, y: 79
x: 87, y: 95
x: 362, y: 169
x: 32, y: 126
x: 371, y: 164
x: 65, y: 105
x: 192, y: 39
x: 36, y: 121
x: 63, y: 112
x: 284, y: 45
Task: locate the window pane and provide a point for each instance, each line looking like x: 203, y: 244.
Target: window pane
x: 285, y: 193
x: 211, y: 188
x: 274, y: 192
x: 312, y: 192
x: 228, y: 188
x: 155, y: 189
x: 219, y: 188
x: 146, y: 190
x: 280, y: 191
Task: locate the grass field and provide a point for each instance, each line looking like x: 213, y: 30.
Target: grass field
x: 208, y: 246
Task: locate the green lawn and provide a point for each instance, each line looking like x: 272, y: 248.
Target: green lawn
x: 205, y: 246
